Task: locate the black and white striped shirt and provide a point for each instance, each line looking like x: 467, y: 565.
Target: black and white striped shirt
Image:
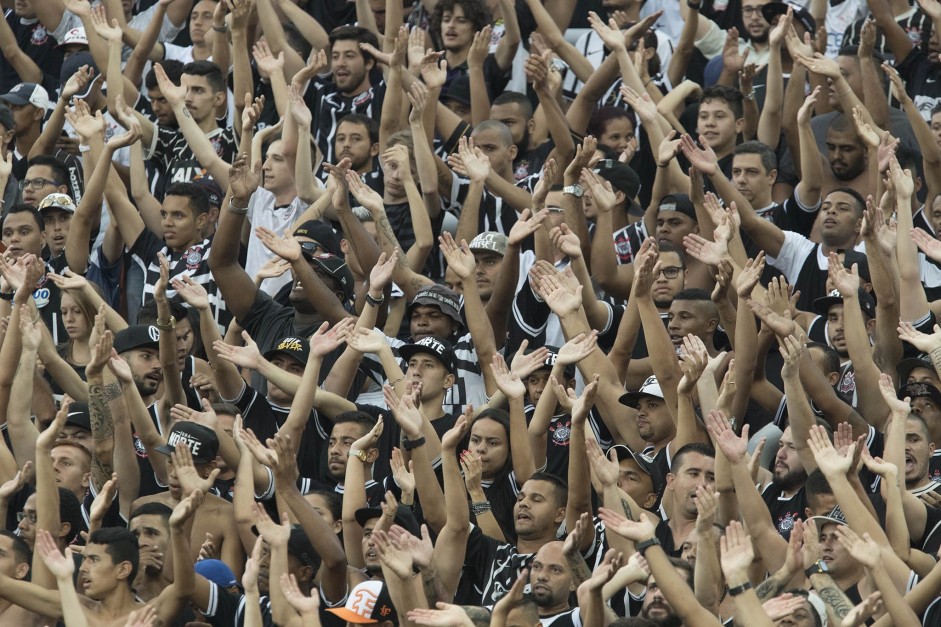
x: 176, y: 162
x: 329, y: 106
x: 193, y: 262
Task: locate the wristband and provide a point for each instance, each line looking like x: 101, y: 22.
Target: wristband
x: 642, y: 547
x: 750, y: 95
x: 410, y: 445
x: 239, y: 210
x: 7, y: 296
x: 221, y: 29
x: 375, y: 302
x: 479, y: 508
x: 169, y: 325
x: 737, y: 590
x: 84, y: 148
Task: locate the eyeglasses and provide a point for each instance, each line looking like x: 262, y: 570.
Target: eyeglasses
x: 37, y: 183
x: 555, y: 209
x: 749, y: 11
x: 671, y: 272
x: 29, y: 516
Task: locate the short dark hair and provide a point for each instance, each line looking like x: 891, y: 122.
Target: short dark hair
x: 212, y: 73
x: 496, y: 125
x: 688, y: 449
x: 21, y: 551
x: 817, y: 484
x: 600, y: 117
x: 59, y: 169
x: 907, y: 157
x: 515, y: 97
x: 121, y: 545
x: 152, y: 509
x: 198, y: 198
x: 474, y: 10
x: 334, y: 502
x: 669, y: 247
x: 70, y: 511
x: 769, y: 160
x: 361, y: 418
x: 693, y: 293
x: 226, y: 408
x: 860, y: 201
x: 726, y: 94
x: 357, y: 34
x: 800, y: 592
x: 372, y: 127
x: 559, y: 487
x: 296, y: 40
x: 831, y: 358
x: 173, y: 69
x: 24, y: 208
x: 633, y: 621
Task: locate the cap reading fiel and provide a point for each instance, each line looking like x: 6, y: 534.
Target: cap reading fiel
x: 202, y: 441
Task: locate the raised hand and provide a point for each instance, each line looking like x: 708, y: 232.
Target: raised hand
x: 807, y: 109
x: 393, y: 555
x: 265, y: 61
x: 609, y: 32
x: 900, y: 407
x: 577, y: 348
x: 458, y: 257
x: 175, y: 94
x: 284, y: 246
x: 365, y: 195
x: 371, y: 439
x: 446, y: 615
x: 480, y: 48
x: 749, y: 276
x: 316, y: 63
x: 864, y: 550
x: 635, y: 531
x: 737, y: 552
x: 607, y: 468
x: 693, y: 363
x: 190, y: 291
x: 273, y: 533
x: 453, y: 436
x: 186, y: 507
x: 562, y: 299
x: 703, y: 159
x: 565, y: 241
x: 710, y: 253
x: 402, y: 473
x: 406, y: 410
x: 302, y: 604
x: 642, y: 104
x: 186, y: 472
x: 583, y: 156
x: 602, y: 194
x: 830, y: 462
x: 88, y: 125
x: 243, y: 178
x: 733, y: 447
x: 434, y: 69
x: 526, y: 224
x: 61, y: 566
x: 324, y: 342
x: 927, y: 244
x: 510, y: 384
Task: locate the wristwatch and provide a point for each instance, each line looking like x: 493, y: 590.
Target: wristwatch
x: 575, y: 190
x: 819, y: 566
x: 643, y: 545
x: 169, y: 325
x: 360, y: 455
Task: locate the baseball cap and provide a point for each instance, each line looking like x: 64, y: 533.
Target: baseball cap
x: 202, y: 441
x: 442, y: 297
x: 678, y: 202
x: 79, y: 416
x: 403, y: 518
x: 621, y: 176
x: 369, y: 602
x: 905, y: 367
x: 835, y: 516
x: 75, y: 36
x: 71, y: 65
x: 27, y: 93
x: 491, y: 241
x: 645, y: 462
x: 322, y: 233
x: 6, y: 117
x: 802, y: 15
x: 212, y: 190
x: 137, y: 336
x: 551, y: 359
x: 440, y: 349
x: 216, y: 571
x: 59, y: 201
x: 299, y: 546
x: 296, y: 347
x: 920, y: 390
x: 335, y: 266
x: 651, y: 387
x: 459, y: 91
x: 866, y: 303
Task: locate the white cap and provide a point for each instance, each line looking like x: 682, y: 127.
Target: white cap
x: 74, y: 36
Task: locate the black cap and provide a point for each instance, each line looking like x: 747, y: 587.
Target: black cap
x: 202, y: 441
x: 403, y: 518
x: 459, y: 91
x: 802, y: 15
x: 6, y: 117
x: 646, y: 464
x: 866, y: 302
x: 441, y: 349
x: 137, y: 336
x: 79, y: 416
x: 212, y: 189
x: 335, y: 267
x: 920, y: 390
x: 551, y: 358
x: 296, y: 347
x: 621, y: 176
x: 322, y: 233
x: 442, y: 297
x: 299, y: 546
x: 678, y: 202
x: 905, y: 367
x: 71, y: 65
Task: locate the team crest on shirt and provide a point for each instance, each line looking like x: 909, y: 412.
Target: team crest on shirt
x: 39, y: 36
x: 848, y: 383
x: 139, y: 447
x: 522, y: 170
x: 786, y: 523
x: 193, y: 257
x: 363, y: 98
x: 561, y: 433
x: 216, y: 144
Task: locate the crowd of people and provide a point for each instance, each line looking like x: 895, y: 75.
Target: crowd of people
x: 455, y: 313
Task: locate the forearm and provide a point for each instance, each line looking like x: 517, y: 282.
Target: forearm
x: 307, y: 189
x: 141, y: 53
x: 22, y: 431
x: 51, y: 131
x: 102, y: 429
x: 838, y: 605
x: 274, y: 35
x: 707, y: 575
x: 202, y: 148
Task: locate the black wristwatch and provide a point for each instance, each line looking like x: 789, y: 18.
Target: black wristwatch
x: 819, y: 566
x: 642, y: 547
x: 737, y: 590
x: 692, y: 5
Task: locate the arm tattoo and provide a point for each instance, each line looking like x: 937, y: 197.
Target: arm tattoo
x: 628, y: 512
x: 836, y: 599
x: 770, y: 587
x: 102, y: 426
x: 112, y: 391
x: 580, y: 570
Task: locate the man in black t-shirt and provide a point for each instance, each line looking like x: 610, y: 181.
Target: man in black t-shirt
x: 35, y: 43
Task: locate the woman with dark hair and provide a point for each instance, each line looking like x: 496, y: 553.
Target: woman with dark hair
x: 613, y: 127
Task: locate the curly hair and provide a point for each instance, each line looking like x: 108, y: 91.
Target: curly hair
x: 474, y: 10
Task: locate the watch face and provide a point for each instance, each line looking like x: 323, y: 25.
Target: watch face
x: 577, y: 190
